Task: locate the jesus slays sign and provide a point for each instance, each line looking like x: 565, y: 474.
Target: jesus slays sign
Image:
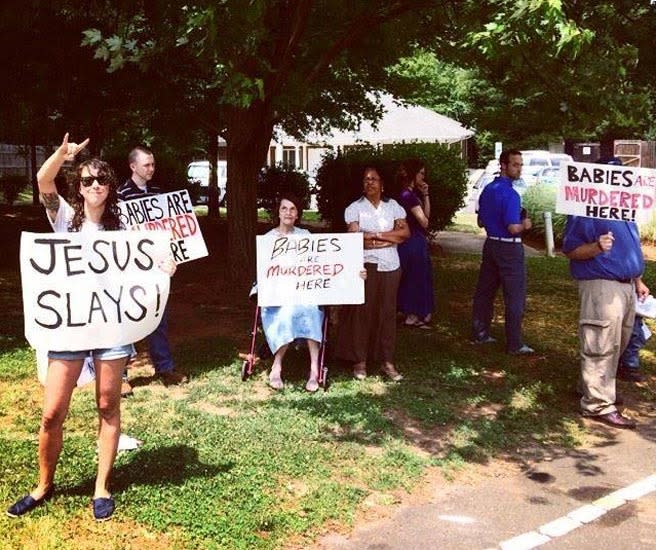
x: 87, y: 291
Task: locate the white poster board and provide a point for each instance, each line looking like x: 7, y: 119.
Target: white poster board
x: 171, y: 212
x: 92, y: 290
x: 606, y: 191
x: 319, y: 269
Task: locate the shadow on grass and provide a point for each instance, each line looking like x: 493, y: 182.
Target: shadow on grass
x: 161, y: 466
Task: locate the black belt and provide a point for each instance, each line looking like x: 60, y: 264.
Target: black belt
x: 624, y: 281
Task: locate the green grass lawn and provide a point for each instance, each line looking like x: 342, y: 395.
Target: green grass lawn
x: 232, y: 464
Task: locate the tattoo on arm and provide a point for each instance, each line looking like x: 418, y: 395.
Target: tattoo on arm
x: 51, y: 203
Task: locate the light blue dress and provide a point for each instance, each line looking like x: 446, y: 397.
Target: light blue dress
x: 284, y: 324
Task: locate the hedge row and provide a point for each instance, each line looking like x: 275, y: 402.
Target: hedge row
x: 339, y: 179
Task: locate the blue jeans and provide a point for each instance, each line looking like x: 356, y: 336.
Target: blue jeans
x: 502, y: 265
x: 630, y: 357
x: 158, y: 346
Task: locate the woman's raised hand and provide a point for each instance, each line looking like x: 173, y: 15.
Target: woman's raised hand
x: 69, y: 150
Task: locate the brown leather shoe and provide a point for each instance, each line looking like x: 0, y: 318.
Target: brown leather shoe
x: 616, y: 420
x: 172, y: 378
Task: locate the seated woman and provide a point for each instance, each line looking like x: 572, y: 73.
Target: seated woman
x: 284, y: 324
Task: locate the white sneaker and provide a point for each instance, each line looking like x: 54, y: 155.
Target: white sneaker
x: 524, y: 350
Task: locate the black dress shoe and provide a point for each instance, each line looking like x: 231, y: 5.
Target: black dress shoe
x: 616, y: 420
x: 630, y: 375
x: 27, y: 504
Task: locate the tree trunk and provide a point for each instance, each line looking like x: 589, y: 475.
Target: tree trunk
x: 248, y: 137
x: 213, y: 182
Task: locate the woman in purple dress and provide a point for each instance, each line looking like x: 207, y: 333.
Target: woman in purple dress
x: 416, y: 298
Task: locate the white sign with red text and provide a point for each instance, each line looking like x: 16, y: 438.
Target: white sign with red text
x: 606, y: 191
x: 319, y: 269
x: 171, y: 212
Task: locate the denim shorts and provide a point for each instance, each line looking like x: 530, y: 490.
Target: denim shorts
x: 106, y: 354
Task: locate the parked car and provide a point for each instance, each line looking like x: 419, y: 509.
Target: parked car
x: 558, y: 158
x: 549, y: 175
x: 199, y: 171
x: 536, y: 160
x: 519, y: 185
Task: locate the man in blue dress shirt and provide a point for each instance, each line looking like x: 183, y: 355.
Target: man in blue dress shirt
x: 607, y: 262
x: 500, y: 212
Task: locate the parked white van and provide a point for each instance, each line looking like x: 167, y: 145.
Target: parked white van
x: 200, y: 171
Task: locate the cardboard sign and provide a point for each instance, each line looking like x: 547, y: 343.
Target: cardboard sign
x: 92, y: 290
x: 320, y: 269
x: 170, y: 212
x: 606, y: 191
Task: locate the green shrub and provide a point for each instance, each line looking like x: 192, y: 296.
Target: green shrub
x: 339, y: 178
x: 539, y: 199
x: 11, y: 186
x: 648, y: 231
x: 274, y: 180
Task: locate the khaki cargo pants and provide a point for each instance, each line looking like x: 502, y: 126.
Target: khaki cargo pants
x: 605, y: 324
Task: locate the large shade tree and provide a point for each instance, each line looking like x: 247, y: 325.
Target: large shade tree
x: 239, y: 68
x: 236, y: 68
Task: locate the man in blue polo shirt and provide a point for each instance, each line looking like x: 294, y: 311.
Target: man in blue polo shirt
x: 606, y: 261
x: 500, y: 212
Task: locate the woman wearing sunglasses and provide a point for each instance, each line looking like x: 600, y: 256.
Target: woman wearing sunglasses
x: 92, y: 207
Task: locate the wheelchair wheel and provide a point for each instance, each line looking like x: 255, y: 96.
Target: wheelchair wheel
x: 244, y: 371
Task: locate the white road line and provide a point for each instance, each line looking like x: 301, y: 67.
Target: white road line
x: 580, y: 516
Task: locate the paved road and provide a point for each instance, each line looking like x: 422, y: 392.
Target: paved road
x: 537, y: 495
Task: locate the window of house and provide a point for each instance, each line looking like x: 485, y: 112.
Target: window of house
x: 289, y: 156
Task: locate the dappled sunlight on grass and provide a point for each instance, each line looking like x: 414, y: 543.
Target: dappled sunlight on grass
x: 238, y: 465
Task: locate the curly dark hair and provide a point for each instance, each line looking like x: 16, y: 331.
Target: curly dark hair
x: 110, y: 219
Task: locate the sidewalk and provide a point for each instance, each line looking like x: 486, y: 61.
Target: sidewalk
x: 522, y: 506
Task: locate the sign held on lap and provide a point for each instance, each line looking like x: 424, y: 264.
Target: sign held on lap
x: 319, y: 269
x: 606, y: 191
x: 92, y: 290
x: 172, y: 212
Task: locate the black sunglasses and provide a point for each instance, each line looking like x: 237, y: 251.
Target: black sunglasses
x: 100, y: 178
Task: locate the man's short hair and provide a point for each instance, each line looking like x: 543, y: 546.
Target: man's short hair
x: 132, y: 157
x: 504, y: 157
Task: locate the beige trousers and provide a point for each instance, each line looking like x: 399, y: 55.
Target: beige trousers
x: 605, y: 324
